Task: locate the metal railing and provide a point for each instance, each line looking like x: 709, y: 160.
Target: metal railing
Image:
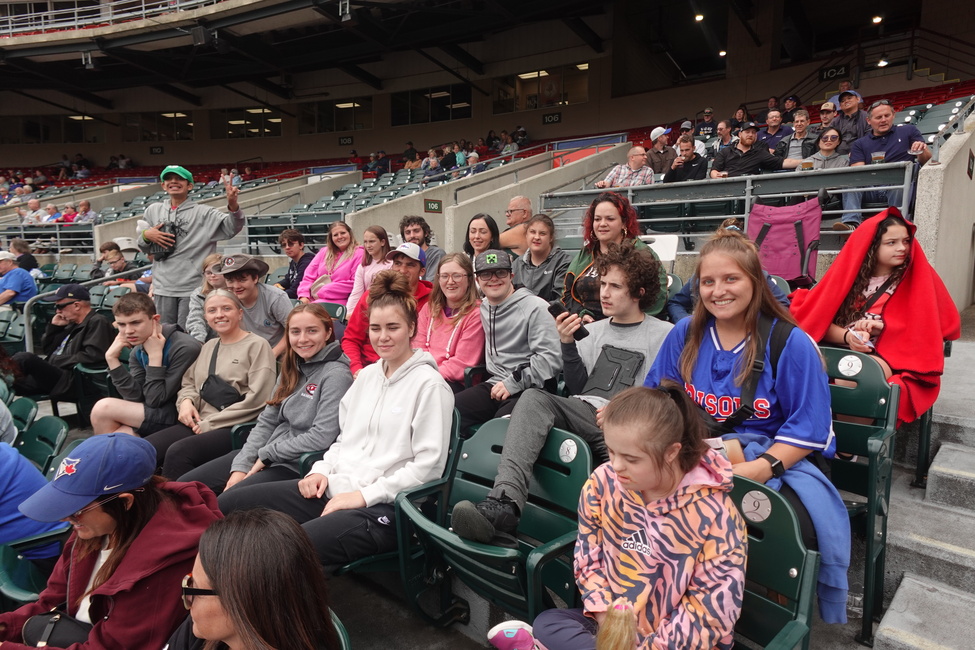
x: 736, y: 196
x: 263, y: 230
x: 79, y: 237
x: 29, y: 305
x: 955, y: 124
x: 86, y: 15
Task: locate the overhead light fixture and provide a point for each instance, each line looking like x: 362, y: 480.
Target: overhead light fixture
x: 877, y: 20
x: 460, y: 105
x: 582, y: 66
x: 698, y: 18
x: 353, y: 104
x: 436, y: 95
x: 238, y: 122
x: 533, y: 75
x: 259, y: 110
x: 722, y: 53
x: 81, y: 118
x: 883, y: 62
x: 173, y: 114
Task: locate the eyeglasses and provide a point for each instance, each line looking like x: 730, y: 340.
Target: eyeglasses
x: 190, y: 592
x: 515, y: 210
x: 456, y: 277
x: 501, y: 274
x: 116, y: 260
x: 94, y: 505
x: 829, y: 138
x: 63, y: 305
x: 880, y: 102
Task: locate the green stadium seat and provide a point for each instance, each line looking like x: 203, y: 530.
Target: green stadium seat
x: 523, y: 580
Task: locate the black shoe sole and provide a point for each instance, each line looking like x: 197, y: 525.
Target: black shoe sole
x: 468, y: 523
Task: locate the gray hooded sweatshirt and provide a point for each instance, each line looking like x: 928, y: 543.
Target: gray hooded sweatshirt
x: 547, y: 280
x: 157, y: 386
x: 521, y: 343
x: 307, y: 419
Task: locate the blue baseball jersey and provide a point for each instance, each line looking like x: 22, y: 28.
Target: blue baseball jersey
x: 793, y: 408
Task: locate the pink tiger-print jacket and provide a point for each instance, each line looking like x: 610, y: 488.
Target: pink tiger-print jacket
x: 679, y: 560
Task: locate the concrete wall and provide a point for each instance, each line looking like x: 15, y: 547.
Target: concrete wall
x: 945, y: 214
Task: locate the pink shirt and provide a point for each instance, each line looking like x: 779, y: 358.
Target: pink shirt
x: 342, y: 274
x: 363, y: 280
x: 454, y: 347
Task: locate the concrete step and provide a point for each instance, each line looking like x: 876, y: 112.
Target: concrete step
x: 928, y: 539
x: 926, y: 615
x: 951, y: 478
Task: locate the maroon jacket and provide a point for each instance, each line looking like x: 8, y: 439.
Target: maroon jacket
x: 139, y: 606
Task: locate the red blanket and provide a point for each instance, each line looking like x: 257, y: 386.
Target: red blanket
x: 918, y: 317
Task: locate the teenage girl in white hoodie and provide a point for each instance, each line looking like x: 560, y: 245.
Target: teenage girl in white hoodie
x: 395, y: 428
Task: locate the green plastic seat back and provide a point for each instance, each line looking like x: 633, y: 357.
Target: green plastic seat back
x: 777, y: 562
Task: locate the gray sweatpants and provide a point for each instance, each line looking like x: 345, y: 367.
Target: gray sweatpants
x: 536, y: 412
x: 173, y: 309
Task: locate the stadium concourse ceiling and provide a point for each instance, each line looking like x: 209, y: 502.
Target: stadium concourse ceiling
x: 264, y: 43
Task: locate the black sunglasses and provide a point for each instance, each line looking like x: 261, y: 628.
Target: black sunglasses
x: 64, y: 305
x: 189, y: 592
x: 880, y: 102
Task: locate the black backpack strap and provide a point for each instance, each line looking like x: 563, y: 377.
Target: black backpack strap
x: 763, y: 233
x: 746, y: 407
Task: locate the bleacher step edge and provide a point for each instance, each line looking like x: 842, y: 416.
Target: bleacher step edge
x: 928, y: 539
x: 951, y: 477
x: 926, y: 614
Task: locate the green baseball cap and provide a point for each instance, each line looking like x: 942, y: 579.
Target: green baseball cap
x: 182, y: 172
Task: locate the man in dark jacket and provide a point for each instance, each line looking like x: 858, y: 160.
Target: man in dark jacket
x: 160, y: 356
x: 77, y: 334
x: 293, y: 244
x: 801, y: 144
x: 689, y: 165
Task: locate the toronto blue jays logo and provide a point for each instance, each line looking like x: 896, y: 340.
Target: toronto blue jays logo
x: 68, y: 467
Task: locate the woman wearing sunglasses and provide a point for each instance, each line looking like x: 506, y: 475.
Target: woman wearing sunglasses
x: 826, y: 157
x: 256, y: 584
x: 134, y: 536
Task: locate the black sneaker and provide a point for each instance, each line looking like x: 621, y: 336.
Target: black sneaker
x: 484, y: 521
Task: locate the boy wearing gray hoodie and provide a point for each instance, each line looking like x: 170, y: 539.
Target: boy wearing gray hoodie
x: 521, y: 343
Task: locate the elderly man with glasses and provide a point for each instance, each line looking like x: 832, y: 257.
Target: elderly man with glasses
x: 883, y: 143
x: 76, y: 334
x: 634, y: 172
x: 516, y: 217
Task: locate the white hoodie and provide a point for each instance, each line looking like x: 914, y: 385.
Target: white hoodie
x: 394, y: 432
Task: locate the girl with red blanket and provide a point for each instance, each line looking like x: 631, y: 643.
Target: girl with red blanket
x: 882, y: 297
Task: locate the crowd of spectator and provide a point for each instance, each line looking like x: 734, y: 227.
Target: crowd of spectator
x: 211, y: 345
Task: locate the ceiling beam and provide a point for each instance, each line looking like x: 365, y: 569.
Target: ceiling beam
x: 463, y: 57
x: 446, y: 67
x: 163, y: 76
x: 744, y: 16
x: 65, y: 86
x: 258, y: 100
x: 275, y: 89
x: 585, y: 32
x: 61, y: 106
x: 358, y: 73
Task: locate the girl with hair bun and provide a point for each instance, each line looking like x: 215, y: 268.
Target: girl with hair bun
x: 657, y: 527
x: 394, y: 425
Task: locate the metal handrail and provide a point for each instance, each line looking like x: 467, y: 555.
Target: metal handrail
x: 955, y: 124
x: 107, y: 13
x: 29, y: 330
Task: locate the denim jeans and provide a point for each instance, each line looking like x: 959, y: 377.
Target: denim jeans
x: 854, y: 201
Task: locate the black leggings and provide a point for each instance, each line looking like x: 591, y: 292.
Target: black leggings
x: 179, y: 450
x: 806, y: 527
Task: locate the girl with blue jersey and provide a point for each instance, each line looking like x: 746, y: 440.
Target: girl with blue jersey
x: 712, y: 354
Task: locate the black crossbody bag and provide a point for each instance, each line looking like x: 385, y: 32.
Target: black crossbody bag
x: 56, y: 628
x: 215, y: 391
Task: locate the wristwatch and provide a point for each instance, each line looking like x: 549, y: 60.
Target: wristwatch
x: 778, y: 469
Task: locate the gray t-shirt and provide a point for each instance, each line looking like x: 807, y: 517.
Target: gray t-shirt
x: 269, y: 314
x: 645, y: 337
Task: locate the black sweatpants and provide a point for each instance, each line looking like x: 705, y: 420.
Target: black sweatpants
x: 38, y: 377
x: 179, y: 450
x: 339, y: 537
x: 215, y: 473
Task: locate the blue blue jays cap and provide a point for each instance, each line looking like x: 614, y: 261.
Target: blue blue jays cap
x: 100, y: 466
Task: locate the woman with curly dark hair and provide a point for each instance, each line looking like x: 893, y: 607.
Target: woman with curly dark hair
x: 881, y: 297
x: 609, y: 220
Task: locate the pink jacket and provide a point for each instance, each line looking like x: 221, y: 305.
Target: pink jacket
x: 363, y: 280
x: 343, y: 277
x: 453, y: 348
